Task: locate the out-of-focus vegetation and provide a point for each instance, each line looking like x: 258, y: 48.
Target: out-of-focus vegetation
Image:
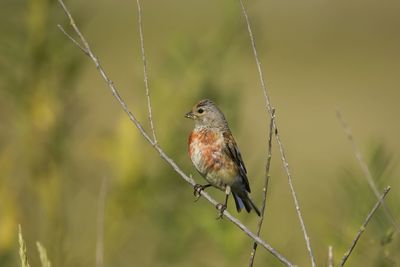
x: 61, y: 132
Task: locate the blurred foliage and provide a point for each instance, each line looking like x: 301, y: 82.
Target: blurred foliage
x: 39, y: 109
x: 61, y: 132
x: 359, y: 199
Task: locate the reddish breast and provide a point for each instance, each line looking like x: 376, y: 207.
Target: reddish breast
x: 205, y: 149
x: 192, y: 139
x: 202, y: 139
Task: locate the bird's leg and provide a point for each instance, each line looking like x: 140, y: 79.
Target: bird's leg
x: 198, y: 188
x: 222, y: 207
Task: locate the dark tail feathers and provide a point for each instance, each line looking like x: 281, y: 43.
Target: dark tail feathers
x: 243, y: 200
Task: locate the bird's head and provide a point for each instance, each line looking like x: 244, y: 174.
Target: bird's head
x: 206, y: 114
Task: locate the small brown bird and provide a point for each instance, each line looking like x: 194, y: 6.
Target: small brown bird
x: 217, y: 158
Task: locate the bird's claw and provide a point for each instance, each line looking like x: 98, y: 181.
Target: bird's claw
x: 197, y: 191
x: 221, y: 208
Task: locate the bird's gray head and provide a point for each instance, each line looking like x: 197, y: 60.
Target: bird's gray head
x: 206, y: 114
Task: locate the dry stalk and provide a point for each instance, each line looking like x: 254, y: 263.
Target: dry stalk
x: 277, y: 136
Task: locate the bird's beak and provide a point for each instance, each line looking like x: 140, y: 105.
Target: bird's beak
x: 189, y: 115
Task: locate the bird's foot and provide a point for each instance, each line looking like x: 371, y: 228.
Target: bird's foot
x: 221, y: 208
x: 197, y: 191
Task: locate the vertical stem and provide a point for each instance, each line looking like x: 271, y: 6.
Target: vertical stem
x: 145, y: 75
x: 278, y: 139
x: 267, y: 176
x: 22, y: 249
x: 101, y: 202
x: 330, y: 257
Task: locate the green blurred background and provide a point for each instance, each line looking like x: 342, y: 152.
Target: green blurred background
x: 61, y: 132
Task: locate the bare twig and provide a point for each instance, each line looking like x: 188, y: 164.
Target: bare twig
x: 160, y: 151
x: 101, y: 202
x: 73, y: 40
x: 365, y: 169
x: 267, y: 176
x: 278, y: 139
x: 330, y: 257
x: 362, y: 228
x: 145, y: 76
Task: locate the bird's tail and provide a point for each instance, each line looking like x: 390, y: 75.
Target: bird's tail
x: 242, y: 200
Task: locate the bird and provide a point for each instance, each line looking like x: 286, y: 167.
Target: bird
x: 216, y: 156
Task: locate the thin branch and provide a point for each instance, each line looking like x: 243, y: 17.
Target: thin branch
x: 362, y: 228
x: 145, y: 76
x: 73, y: 40
x: 160, y: 151
x: 330, y: 257
x: 267, y: 176
x: 278, y: 139
x: 109, y: 82
x: 365, y: 168
x: 101, y: 202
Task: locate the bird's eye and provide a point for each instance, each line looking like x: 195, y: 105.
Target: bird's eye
x: 200, y: 110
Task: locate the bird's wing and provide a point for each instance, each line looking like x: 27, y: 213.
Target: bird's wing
x: 232, y: 150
